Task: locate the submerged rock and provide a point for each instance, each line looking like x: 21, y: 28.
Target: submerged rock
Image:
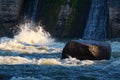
x: 87, y: 50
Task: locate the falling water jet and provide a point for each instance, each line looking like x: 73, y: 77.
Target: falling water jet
x: 31, y: 9
x: 34, y: 11
x: 97, y: 21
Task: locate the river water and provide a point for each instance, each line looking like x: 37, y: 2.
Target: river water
x: 33, y: 55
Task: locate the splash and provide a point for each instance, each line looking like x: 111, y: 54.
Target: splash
x: 30, y: 39
x: 31, y: 34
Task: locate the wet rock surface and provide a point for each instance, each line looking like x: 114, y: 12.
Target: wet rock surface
x: 87, y: 50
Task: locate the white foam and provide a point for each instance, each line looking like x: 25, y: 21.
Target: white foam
x: 43, y: 61
x: 14, y: 60
x: 20, y: 60
x: 48, y: 62
x: 76, y: 62
x: 31, y: 39
x: 32, y: 34
x: 13, y: 46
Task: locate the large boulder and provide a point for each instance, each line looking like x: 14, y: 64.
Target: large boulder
x: 87, y: 50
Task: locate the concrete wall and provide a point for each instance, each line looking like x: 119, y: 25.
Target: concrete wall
x: 114, y: 18
x: 9, y: 9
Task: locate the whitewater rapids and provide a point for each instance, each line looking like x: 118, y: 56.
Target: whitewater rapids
x: 33, y: 55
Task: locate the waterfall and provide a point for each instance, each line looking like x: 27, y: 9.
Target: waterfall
x: 30, y: 9
x: 97, y: 21
x: 34, y: 10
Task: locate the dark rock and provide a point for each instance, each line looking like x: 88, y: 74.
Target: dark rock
x: 87, y: 50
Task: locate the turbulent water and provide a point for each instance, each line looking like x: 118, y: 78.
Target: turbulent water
x: 33, y: 55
